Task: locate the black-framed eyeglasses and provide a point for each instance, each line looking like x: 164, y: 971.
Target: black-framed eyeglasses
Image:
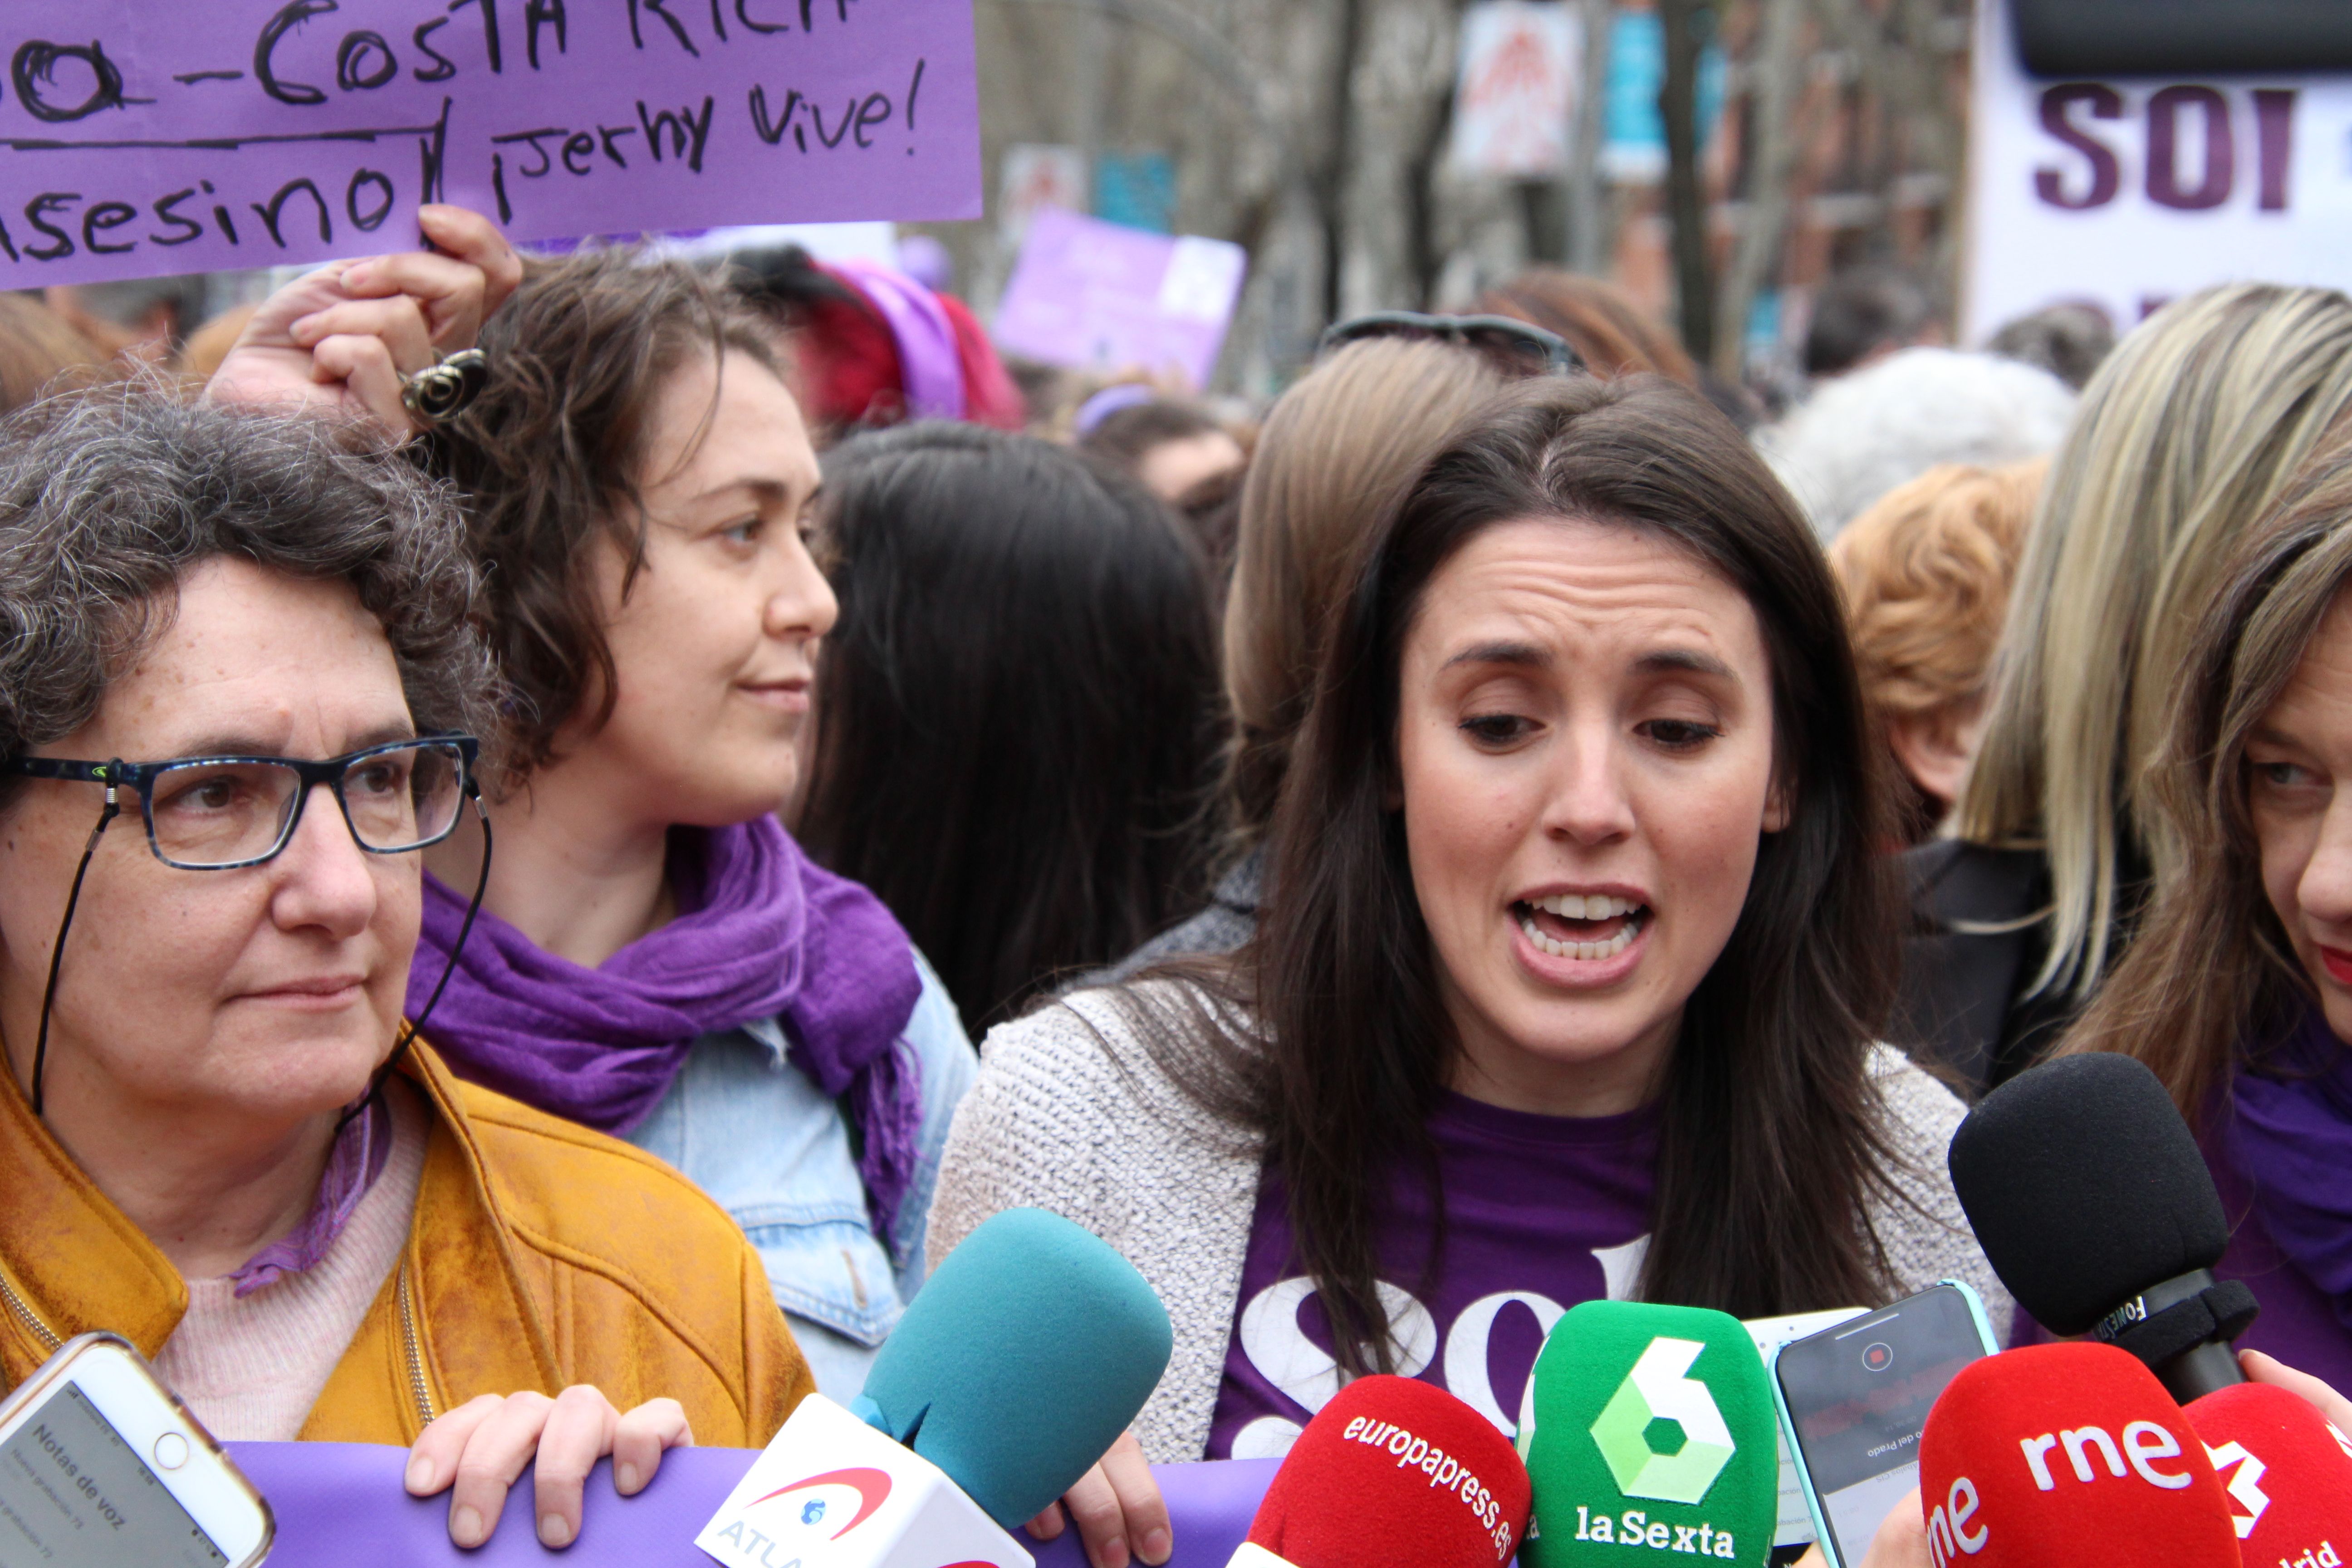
x: 217, y: 813
x: 220, y: 814
x: 1511, y: 344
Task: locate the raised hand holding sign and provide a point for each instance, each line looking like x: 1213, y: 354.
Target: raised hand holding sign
x: 138, y: 139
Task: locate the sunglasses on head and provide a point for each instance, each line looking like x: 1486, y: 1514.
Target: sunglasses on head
x: 1504, y: 342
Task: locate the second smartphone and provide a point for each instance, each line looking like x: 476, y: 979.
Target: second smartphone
x: 1854, y: 1400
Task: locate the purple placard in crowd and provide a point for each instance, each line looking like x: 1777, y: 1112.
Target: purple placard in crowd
x: 339, y: 1505
x: 1101, y: 296
x: 140, y: 137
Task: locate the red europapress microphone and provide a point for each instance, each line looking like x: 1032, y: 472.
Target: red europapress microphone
x: 1394, y: 1473
x: 2287, y: 1473
x: 2068, y: 1456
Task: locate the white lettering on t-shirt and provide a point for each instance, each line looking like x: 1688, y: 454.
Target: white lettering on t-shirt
x: 1304, y: 1370
x: 1466, y: 1374
x: 1283, y: 1354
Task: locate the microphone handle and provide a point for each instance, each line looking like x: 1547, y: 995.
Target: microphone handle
x: 2200, y: 1370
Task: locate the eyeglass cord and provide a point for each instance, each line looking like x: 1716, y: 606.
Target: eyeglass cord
x: 408, y: 1030
x: 58, y: 948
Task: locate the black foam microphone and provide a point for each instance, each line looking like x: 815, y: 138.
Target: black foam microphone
x: 2091, y: 1202
x: 2193, y: 38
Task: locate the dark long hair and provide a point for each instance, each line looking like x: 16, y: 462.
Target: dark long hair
x: 1018, y: 721
x: 1770, y: 1149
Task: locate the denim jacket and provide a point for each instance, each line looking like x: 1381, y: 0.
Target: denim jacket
x: 750, y: 1130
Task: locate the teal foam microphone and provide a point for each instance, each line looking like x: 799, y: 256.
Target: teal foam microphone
x: 1021, y: 1360
x: 1651, y: 1426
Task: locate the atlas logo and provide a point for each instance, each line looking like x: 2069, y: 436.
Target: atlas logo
x: 872, y: 1487
x: 1661, y: 1433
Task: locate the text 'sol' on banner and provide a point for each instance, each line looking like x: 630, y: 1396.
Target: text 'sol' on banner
x: 139, y: 137
x: 2129, y: 193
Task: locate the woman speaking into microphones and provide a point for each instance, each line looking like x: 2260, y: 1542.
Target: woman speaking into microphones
x: 1567, y: 983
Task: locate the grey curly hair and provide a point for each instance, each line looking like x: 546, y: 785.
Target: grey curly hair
x: 109, y: 497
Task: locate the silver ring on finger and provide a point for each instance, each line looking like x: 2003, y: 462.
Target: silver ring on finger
x: 440, y: 392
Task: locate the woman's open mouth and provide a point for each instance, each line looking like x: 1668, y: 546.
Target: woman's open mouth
x: 1580, y: 925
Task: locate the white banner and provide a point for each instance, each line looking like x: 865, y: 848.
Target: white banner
x: 1521, y: 63
x: 2127, y: 193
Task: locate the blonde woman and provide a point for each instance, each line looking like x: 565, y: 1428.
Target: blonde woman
x: 1335, y: 449
x: 2185, y: 436
x: 1927, y: 574
x: 2238, y: 992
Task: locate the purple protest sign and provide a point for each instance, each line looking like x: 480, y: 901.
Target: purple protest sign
x: 339, y: 1505
x: 139, y: 137
x: 1101, y: 296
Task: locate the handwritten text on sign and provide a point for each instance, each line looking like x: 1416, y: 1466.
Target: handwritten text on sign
x: 139, y: 137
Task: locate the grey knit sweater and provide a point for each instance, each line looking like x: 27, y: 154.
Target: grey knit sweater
x: 1080, y: 1121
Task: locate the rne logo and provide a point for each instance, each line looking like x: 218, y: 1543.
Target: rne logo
x: 1948, y: 1526
x: 2144, y: 1443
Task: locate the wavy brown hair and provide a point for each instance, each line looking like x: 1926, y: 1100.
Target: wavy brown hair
x: 2213, y: 977
x: 1336, y: 448
x: 1926, y: 571
x: 1770, y: 1145
x: 550, y: 460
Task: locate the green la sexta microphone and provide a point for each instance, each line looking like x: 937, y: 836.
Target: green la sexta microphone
x: 1649, y: 1429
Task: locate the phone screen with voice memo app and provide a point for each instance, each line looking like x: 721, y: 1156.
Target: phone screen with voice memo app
x: 99, y: 1466
x: 1855, y: 1399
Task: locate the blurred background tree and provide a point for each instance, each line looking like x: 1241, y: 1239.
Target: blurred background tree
x: 1800, y: 136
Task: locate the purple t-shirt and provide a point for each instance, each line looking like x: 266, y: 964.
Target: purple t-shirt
x: 1541, y: 1212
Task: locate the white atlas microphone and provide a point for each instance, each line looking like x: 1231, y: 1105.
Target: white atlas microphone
x: 832, y: 1492
x: 1026, y: 1353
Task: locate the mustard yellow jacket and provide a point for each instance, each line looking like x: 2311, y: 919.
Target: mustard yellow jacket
x: 542, y: 1254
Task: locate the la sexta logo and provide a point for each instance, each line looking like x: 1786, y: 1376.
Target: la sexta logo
x: 1661, y: 1389
x: 872, y: 1487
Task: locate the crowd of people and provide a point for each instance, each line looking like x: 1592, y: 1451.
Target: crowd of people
x: 1510, y: 826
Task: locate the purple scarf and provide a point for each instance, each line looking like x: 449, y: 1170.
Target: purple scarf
x: 2288, y: 1131
x: 762, y: 932
x: 929, y: 367
x: 362, y: 1148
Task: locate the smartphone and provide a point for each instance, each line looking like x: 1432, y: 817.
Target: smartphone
x: 1854, y: 1399
x: 101, y: 1464
x: 1793, y: 1531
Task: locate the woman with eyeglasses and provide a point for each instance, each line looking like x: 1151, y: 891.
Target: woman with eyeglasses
x: 239, y: 692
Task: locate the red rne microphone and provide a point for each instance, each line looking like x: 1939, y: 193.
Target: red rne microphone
x: 2068, y: 1456
x: 1394, y: 1473
x: 2285, y: 1470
